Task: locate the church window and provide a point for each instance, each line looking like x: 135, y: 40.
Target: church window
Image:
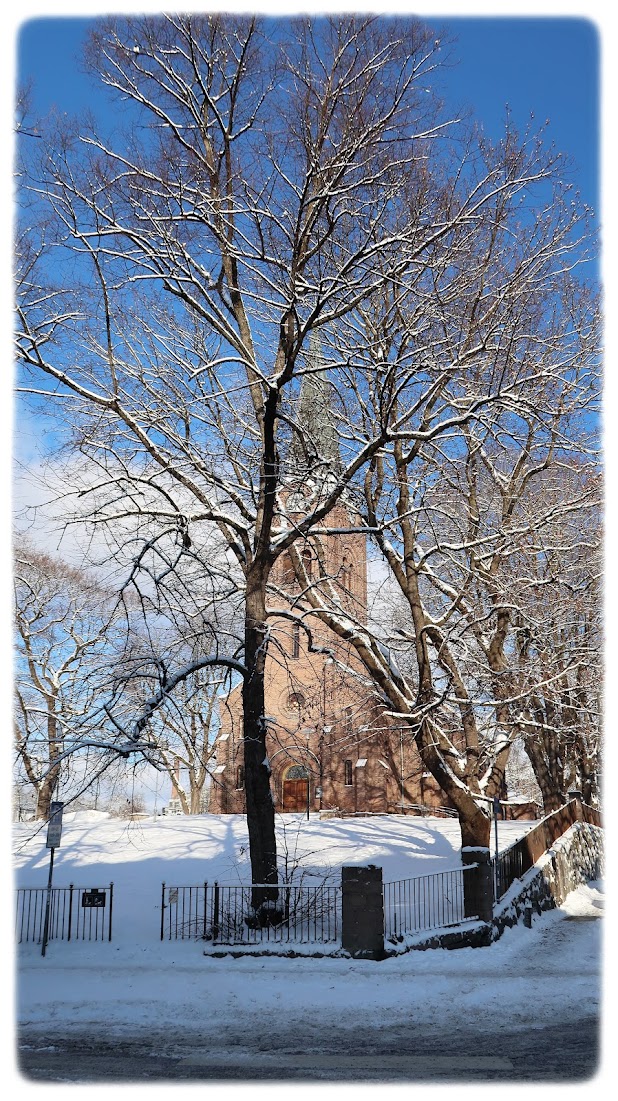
x: 288, y: 572
x: 308, y: 563
x: 295, y: 701
x: 346, y: 572
x: 297, y: 772
x: 296, y: 641
x: 240, y: 777
x: 348, y: 773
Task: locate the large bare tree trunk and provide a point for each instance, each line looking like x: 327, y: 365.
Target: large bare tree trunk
x: 45, y: 794
x: 546, y: 771
x: 260, y: 806
x: 475, y: 829
x: 47, y: 786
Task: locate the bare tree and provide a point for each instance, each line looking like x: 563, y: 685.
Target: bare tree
x: 214, y: 246
x: 274, y: 186
x: 62, y: 619
x: 485, y: 365
x: 184, y: 730
x: 559, y: 647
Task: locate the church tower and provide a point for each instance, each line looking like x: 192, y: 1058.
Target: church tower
x: 330, y: 745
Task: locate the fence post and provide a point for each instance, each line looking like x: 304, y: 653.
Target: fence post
x: 70, y: 909
x: 576, y: 797
x: 205, y: 910
x: 362, y: 911
x: 215, y: 916
x: 111, y: 904
x: 162, y: 908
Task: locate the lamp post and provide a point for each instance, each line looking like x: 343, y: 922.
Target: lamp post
x: 401, y: 765
x: 496, y: 810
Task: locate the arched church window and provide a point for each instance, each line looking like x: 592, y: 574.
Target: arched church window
x: 240, y: 777
x: 307, y: 558
x: 346, y: 572
x: 288, y: 572
x: 296, y: 640
x: 297, y: 772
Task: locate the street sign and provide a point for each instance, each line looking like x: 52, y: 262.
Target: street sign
x: 54, y: 828
x: 93, y: 899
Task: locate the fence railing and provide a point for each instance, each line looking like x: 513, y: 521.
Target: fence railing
x: 75, y: 913
x: 223, y: 914
x: 520, y: 857
x: 426, y: 902
x: 424, y: 809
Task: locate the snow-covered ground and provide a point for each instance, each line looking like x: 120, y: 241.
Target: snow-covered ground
x: 188, y: 850
x: 138, y: 986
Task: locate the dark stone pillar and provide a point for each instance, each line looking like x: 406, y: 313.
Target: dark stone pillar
x: 478, y: 883
x: 362, y: 912
x: 576, y: 798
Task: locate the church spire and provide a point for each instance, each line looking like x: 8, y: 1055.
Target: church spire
x: 314, y: 448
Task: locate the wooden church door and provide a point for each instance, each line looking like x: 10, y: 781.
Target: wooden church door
x: 295, y: 784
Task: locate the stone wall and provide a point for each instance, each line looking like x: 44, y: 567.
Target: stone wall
x: 574, y: 858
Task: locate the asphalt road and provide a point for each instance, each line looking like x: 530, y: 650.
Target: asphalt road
x: 558, y: 1052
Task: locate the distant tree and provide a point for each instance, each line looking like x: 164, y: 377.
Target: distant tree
x: 559, y: 645
x: 125, y: 803
x: 184, y: 730
x: 62, y: 618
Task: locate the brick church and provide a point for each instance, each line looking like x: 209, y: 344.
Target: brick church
x: 330, y: 745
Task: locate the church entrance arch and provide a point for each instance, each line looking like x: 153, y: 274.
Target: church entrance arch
x: 296, y: 788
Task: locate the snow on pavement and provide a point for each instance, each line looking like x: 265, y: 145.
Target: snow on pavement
x: 173, y: 986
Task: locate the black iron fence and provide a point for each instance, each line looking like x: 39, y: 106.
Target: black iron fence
x: 223, y: 914
x: 509, y: 866
x: 427, y: 902
x: 75, y: 913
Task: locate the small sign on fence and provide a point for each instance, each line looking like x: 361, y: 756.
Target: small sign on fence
x: 94, y: 899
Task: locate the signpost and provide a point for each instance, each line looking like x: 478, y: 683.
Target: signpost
x: 54, y: 833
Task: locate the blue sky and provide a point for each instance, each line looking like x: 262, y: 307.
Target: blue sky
x: 545, y: 66
x: 548, y: 66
